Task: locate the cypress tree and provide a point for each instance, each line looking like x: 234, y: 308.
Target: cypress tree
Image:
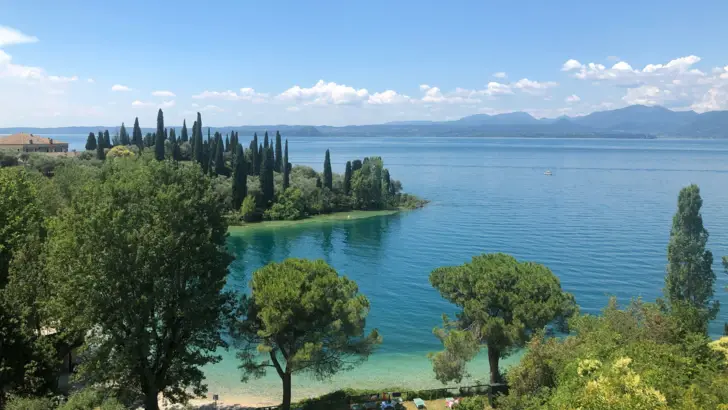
x: 240, y: 178
x: 183, y: 136
x: 91, y: 142
x: 347, y: 178
x: 100, y: 154
x: 172, y: 136
x: 279, y: 153
x: 148, y: 140
x: 356, y: 165
x: 286, y: 169
x: 212, y: 154
x: 159, y: 140
x: 260, y: 158
x: 123, y: 135
x: 205, y: 157
x: 199, y: 148
x: 266, y: 177
x: 166, y: 134
x: 194, y: 139
x: 318, y: 182
x: 107, y: 140
x: 176, y: 152
x: 386, y: 181
x: 265, y: 140
x: 328, y: 175
x: 220, y: 168
x: 227, y: 143
x: 136, y: 137
x: 253, y: 157
x: 690, y: 277
x: 208, y: 135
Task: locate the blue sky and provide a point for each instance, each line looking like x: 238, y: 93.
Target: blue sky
x: 340, y: 62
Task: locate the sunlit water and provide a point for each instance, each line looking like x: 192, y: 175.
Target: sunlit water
x: 601, y: 223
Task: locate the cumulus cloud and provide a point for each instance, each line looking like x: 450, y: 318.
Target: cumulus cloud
x: 644, y: 95
x: 534, y: 87
x: 163, y: 94
x: 164, y: 104
x: 10, y: 36
x: 715, y: 98
x: 323, y: 93
x: 246, y: 94
x: 60, y: 79
x: 571, y: 65
x: 572, y: 98
x: 119, y: 87
x: 500, y: 74
x: 387, y: 97
x: 495, y: 88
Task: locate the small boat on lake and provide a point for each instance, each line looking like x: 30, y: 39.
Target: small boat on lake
x: 548, y: 172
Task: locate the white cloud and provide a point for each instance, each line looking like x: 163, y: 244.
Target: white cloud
x: 388, y: 97
x: 572, y: 98
x: 571, y: 65
x: 57, y: 79
x: 90, y: 80
x: 495, y: 88
x: 424, y: 87
x: 714, y: 99
x: 163, y: 94
x: 500, y: 74
x: 119, y: 87
x: 10, y: 36
x: 164, y: 104
x: 534, y: 87
x: 645, y: 95
x: 246, y: 94
x: 622, y: 66
x: 323, y: 93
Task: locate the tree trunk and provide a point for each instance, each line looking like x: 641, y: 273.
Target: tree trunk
x: 286, y: 391
x: 493, y: 358
x: 151, y: 398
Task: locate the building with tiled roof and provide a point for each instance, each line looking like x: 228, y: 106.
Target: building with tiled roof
x: 23, y: 142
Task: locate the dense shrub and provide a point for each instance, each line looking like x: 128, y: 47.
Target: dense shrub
x: 289, y: 206
x: 247, y: 209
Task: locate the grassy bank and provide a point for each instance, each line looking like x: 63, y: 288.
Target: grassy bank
x: 324, y: 218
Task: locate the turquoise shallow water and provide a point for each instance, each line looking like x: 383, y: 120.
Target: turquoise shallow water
x: 601, y: 223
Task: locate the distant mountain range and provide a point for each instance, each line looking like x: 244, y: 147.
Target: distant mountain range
x: 636, y: 121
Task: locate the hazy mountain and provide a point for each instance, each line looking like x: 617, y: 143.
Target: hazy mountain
x: 636, y: 121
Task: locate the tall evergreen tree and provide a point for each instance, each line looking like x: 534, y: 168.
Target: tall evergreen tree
x: 107, y: 140
x: 355, y: 165
x: 266, y: 177
x: 199, y: 147
x: 347, y: 178
x: 220, y: 168
x: 255, y: 166
x: 193, y: 141
x: 328, y: 175
x: 261, y: 157
x: 136, y: 137
x: 100, y: 153
x: 690, y: 277
x: 212, y: 153
x: 205, y: 157
x: 91, y: 142
x: 172, y: 136
x: 208, y: 135
x: 124, y: 136
x: 286, y: 169
x: 176, y: 152
x: 183, y: 135
x: 159, y: 140
x: 279, y: 153
x: 240, y: 178
x: 227, y: 143
x: 265, y: 140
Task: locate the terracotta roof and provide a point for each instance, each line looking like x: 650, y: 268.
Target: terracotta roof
x: 25, y: 139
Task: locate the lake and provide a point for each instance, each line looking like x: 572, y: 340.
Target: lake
x: 601, y: 223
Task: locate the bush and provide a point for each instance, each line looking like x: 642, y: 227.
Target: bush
x: 21, y: 403
x: 247, y: 209
x: 120, y: 151
x: 91, y: 399
x: 8, y: 159
x: 474, y: 403
x: 288, y: 207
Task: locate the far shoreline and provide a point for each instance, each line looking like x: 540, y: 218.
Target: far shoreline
x: 322, y: 218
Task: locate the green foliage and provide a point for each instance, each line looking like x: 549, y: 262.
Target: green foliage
x: 328, y: 176
x: 289, y: 206
x: 220, y: 168
x: 474, y: 403
x: 279, y: 154
x: 160, y: 137
x: 91, y: 398
x: 690, y: 277
x: 120, y: 151
x: 136, y: 136
x: 302, y: 316
x: 100, y: 153
x: 502, y: 301
x: 162, y: 232
x: 123, y: 136
x: 266, y: 178
x: 27, y: 403
x: 8, y: 159
x: 347, y: 178
x: 247, y: 209
x: 637, y: 358
x: 184, y: 137
x: 286, y: 169
x: 91, y: 142
x: 240, y: 178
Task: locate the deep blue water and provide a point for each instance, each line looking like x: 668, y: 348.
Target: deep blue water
x: 601, y: 223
